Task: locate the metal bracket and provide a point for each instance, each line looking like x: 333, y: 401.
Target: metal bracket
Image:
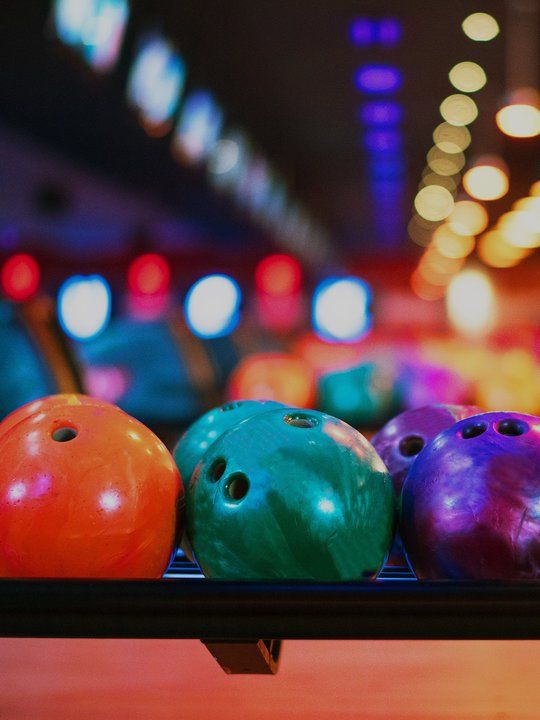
x: 246, y: 657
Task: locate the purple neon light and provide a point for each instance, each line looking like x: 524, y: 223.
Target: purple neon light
x: 377, y: 79
x: 381, y: 113
x: 383, y: 140
x: 363, y: 32
x: 389, y: 32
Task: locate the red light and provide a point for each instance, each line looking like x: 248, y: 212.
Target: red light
x: 278, y: 275
x: 149, y: 275
x: 20, y: 277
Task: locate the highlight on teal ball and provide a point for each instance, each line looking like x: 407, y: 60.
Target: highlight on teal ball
x: 291, y: 494
x: 209, y: 427
x: 363, y: 396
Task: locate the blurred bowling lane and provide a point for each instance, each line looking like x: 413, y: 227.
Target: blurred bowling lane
x: 166, y: 679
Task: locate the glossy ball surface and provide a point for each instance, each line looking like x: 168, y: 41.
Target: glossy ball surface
x: 471, y: 501
x: 88, y: 491
x: 209, y: 427
x: 363, y: 396
x: 44, y: 404
x: 291, y: 494
x: 403, y: 438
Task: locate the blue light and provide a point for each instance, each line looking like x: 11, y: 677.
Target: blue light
x: 387, y: 168
x: 389, y: 32
x: 383, y: 141
x: 199, y: 126
x: 341, y: 309
x: 94, y: 27
x: 156, y: 82
x: 363, y: 32
x: 84, y: 306
x: 383, y: 113
x: 377, y: 79
x: 212, y: 306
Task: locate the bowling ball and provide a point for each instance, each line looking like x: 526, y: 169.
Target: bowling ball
x: 363, y: 396
x: 273, y: 376
x: 86, y: 491
x: 290, y: 494
x: 402, y: 438
x: 209, y: 427
x: 471, y: 501
x: 43, y: 404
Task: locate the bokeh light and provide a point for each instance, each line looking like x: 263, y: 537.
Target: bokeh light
x: 376, y: 79
x: 519, y: 120
x: 467, y: 77
x: 212, y: 306
x: 278, y: 275
x: 149, y: 274
x: 198, y: 128
x: 451, y: 138
x: 20, y: 277
x: 459, y: 110
x: 494, y: 250
x: 520, y: 228
x: 468, y: 218
x: 155, y: 84
x: 341, y: 309
x: 425, y: 289
x: 451, y: 244
x: 486, y: 182
x: 84, y: 306
x: 450, y: 182
x: 434, y: 202
x: 381, y: 113
x: 443, y: 163
x: 535, y: 189
x: 480, y: 26
x: 95, y: 27
x: 471, y: 303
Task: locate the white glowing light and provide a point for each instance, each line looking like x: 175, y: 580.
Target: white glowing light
x: 156, y: 82
x: 470, y: 303
x: 84, y: 306
x: 326, y: 506
x: 341, y: 309
x: 109, y: 500
x: 16, y: 492
x: 212, y: 306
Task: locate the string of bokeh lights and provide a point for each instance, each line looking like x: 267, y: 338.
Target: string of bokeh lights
x: 157, y: 93
x: 448, y: 228
x: 212, y: 305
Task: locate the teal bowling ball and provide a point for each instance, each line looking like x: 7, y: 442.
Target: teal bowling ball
x: 363, y: 396
x: 209, y: 427
x: 291, y: 494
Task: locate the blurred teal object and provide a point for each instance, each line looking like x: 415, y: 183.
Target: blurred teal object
x: 159, y: 389
x: 363, y: 396
x: 209, y: 427
x: 24, y: 375
x: 291, y: 494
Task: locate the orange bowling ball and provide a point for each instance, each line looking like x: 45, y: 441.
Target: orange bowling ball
x: 86, y: 491
x: 274, y: 376
x: 45, y: 403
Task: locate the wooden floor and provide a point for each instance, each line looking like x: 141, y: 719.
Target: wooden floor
x: 178, y: 680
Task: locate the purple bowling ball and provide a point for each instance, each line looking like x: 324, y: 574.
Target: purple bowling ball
x: 400, y: 440
x: 471, y: 501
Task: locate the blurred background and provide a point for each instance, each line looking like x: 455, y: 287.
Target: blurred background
x: 335, y: 204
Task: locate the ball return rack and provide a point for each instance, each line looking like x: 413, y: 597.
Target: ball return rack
x: 243, y: 623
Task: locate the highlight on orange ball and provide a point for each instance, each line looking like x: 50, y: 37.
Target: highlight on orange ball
x: 274, y: 376
x: 149, y: 274
x: 278, y: 275
x: 20, y: 277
